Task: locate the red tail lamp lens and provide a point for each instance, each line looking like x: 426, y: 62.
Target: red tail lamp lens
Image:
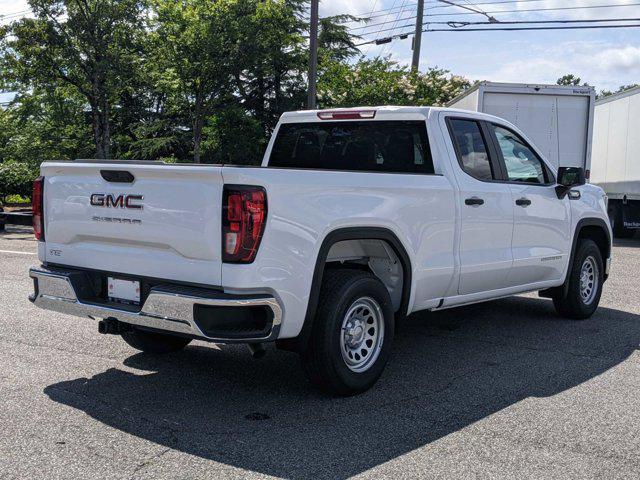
x: 244, y: 214
x: 37, y: 198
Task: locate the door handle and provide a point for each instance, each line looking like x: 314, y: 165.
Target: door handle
x: 523, y: 202
x: 474, y: 201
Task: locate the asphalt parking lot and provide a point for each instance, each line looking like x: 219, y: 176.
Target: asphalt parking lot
x: 500, y: 390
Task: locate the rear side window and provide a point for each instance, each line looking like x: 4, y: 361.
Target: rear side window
x: 471, y: 149
x: 376, y: 146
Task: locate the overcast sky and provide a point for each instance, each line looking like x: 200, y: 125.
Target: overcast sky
x: 604, y: 58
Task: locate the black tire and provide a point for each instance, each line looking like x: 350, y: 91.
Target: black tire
x: 323, y: 361
x: 617, y: 222
x: 152, y: 342
x: 573, y: 305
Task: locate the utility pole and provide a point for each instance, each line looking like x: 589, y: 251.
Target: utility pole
x: 417, y: 38
x: 313, y: 56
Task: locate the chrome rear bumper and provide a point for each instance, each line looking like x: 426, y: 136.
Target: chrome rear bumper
x: 168, y: 308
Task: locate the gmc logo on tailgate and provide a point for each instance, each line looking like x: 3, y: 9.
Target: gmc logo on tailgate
x: 116, y: 201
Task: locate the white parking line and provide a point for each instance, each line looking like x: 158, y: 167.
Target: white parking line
x: 18, y: 253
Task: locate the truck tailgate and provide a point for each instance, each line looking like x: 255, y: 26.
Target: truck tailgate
x: 94, y: 223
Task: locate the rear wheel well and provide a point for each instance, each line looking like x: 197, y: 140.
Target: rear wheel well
x: 374, y: 256
x: 356, y: 247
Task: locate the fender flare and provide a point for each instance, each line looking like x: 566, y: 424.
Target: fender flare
x: 341, y: 234
x: 585, y: 222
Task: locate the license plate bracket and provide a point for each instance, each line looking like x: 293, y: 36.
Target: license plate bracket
x: 123, y: 291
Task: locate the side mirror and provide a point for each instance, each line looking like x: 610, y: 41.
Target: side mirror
x: 569, y: 177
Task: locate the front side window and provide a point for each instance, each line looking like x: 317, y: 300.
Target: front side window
x: 471, y: 149
x: 522, y: 163
x: 376, y: 146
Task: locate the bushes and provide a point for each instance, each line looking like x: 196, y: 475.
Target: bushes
x: 16, y: 179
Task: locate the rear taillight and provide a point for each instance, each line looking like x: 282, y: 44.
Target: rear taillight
x: 244, y: 214
x: 37, y: 199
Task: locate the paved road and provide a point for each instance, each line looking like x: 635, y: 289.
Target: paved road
x: 504, y: 389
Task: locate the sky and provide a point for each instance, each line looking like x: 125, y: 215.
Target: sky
x: 606, y: 59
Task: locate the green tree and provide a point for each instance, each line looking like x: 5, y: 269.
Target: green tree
x: 623, y: 88
x: 380, y: 81
x: 45, y: 124
x: 16, y: 179
x: 193, y: 55
x: 571, y: 80
x: 335, y: 42
x: 234, y: 137
x: 86, y: 44
x: 270, y: 57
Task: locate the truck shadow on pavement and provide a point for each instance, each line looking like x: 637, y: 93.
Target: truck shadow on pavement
x: 449, y: 370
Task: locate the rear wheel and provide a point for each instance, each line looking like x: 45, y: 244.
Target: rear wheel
x: 352, y: 333
x: 585, y: 283
x: 152, y: 342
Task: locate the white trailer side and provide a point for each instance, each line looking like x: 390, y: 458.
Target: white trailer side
x: 616, y: 157
x: 557, y: 119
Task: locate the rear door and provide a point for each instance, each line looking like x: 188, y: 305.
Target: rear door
x: 486, y: 210
x: 152, y: 220
x: 541, y: 232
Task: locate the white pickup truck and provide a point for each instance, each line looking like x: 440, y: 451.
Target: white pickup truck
x: 355, y: 219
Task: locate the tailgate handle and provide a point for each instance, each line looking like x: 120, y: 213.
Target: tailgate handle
x: 117, y: 176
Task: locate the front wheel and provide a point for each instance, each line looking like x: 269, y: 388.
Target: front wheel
x: 585, y: 279
x: 352, y: 333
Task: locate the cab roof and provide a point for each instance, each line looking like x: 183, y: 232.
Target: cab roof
x: 384, y: 112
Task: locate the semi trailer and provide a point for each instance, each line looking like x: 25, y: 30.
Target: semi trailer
x: 616, y: 162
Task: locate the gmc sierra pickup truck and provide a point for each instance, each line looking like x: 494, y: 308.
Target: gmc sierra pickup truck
x: 355, y: 219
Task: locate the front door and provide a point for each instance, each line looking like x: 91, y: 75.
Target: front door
x: 486, y: 211
x: 541, y: 233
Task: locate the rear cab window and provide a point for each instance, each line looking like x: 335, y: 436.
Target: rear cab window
x: 372, y: 146
x: 471, y: 149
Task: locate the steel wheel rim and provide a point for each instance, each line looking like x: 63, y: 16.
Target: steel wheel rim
x: 362, y: 334
x: 588, y: 280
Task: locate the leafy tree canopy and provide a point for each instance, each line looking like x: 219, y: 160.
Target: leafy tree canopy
x: 188, y: 80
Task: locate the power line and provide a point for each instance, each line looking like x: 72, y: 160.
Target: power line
x: 15, y: 15
x: 506, y: 11
x: 392, y: 28
x: 491, y: 19
x: 455, y: 24
x: 437, y: 5
x: 521, y: 22
x: 498, y: 12
x: 495, y: 28
x: 395, y: 24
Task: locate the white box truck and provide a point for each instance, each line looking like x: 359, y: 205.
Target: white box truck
x: 557, y: 119
x: 616, y: 158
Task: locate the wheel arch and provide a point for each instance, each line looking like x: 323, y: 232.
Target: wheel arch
x: 342, y: 234
x: 593, y: 229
